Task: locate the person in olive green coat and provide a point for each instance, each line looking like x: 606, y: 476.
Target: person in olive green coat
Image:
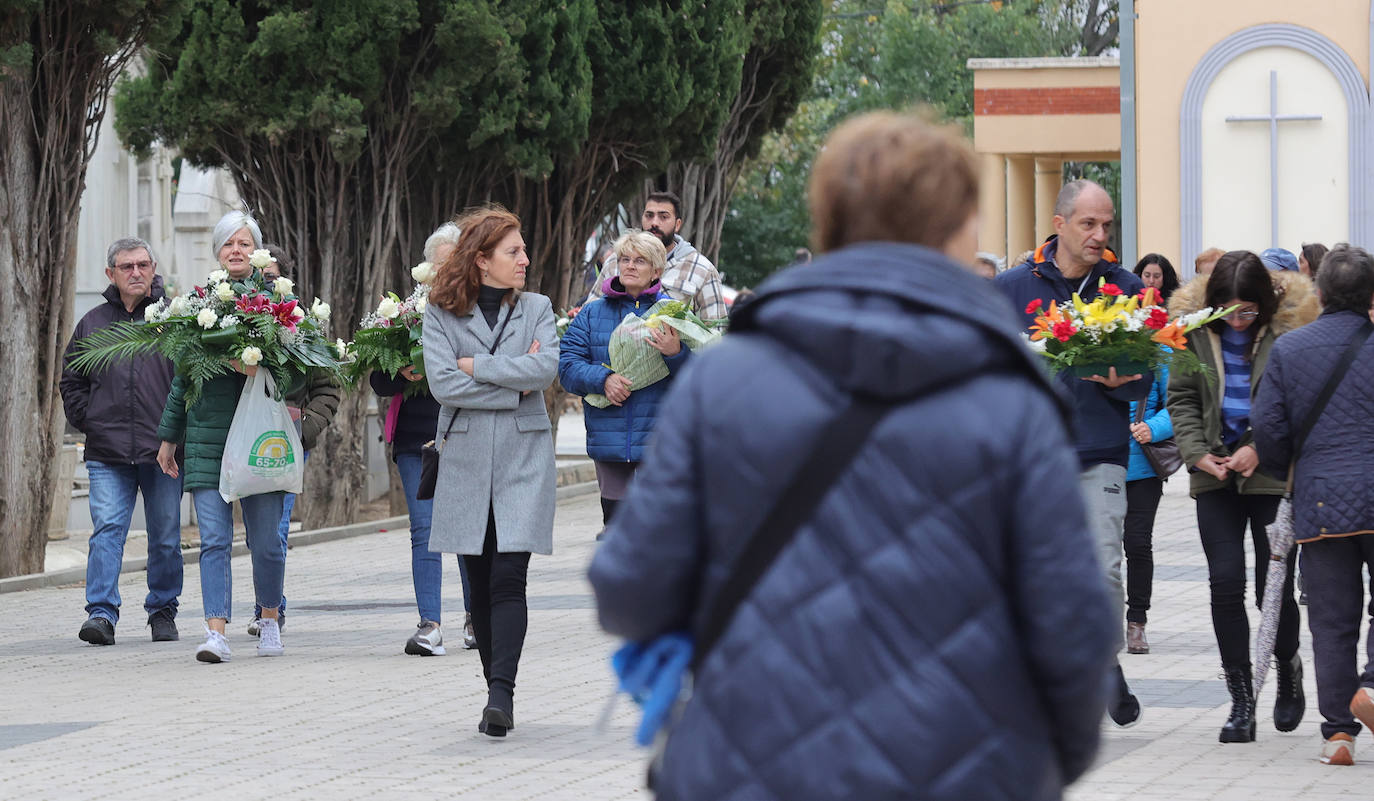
x: 1211, y: 416
x: 203, y: 428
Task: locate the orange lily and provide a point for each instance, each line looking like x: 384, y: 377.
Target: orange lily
x: 1172, y: 335
x: 1041, y: 328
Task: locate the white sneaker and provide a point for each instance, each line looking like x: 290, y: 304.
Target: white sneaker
x: 269, y: 638
x: 254, y: 626
x: 214, y: 649
x: 426, y: 641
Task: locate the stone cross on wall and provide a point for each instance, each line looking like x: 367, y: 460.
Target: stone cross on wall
x: 1273, y: 118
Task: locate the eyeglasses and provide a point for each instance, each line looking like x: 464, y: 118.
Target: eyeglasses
x: 130, y: 266
x: 1242, y: 315
x: 638, y: 261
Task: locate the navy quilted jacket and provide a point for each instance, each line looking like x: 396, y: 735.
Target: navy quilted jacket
x: 1332, y: 493
x: 616, y: 433
x: 940, y: 627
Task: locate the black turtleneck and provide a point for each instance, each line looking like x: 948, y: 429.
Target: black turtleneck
x: 489, y: 301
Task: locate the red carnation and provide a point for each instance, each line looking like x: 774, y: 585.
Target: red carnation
x: 1111, y: 289
x: 1158, y: 319
x: 1033, y: 306
x: 1063, y: 330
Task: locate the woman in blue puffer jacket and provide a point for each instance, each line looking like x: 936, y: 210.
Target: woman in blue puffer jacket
x: 616, y: 435
x: 1144, y: 487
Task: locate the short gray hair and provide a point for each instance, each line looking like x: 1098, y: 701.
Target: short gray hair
x: 1346, y: 279
x: 127, y: 243
x: 1068, y: 196
x: 446, y: 234
x: 642, y: 243
x: 231, y: 223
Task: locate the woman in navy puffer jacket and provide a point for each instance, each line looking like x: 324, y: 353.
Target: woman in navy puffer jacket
x: 939, y: 628
x: 616, y: 435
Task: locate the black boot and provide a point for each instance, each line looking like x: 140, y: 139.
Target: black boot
x: 1290, y: 703
x: 1240, y: 726
x: 499, y: 715
x: 1123, y: 707
x: 607, y: 512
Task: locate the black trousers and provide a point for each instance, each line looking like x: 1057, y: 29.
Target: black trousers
x: 1142, y: 501
x: 500, y: 615
x: 1221, y: 519
x: 1334, y: 574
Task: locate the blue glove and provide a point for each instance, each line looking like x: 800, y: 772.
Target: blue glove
x: 651, y: 673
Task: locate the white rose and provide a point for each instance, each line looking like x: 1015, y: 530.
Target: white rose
x: 421, y: 305
x: 260, y: 258
x: 298, y: 313
x: 388, y: 309
x: 217, y: 276
x: 250, y: 356
x: 177, y: 307
x: 423, y: 272
x: 320, y: 309
x: 283, y: 286
x: 224, y: 291
x: 207, y: 318
x: 341, y: 347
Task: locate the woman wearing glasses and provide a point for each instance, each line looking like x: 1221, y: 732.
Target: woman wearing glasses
x: 1211, y: 415
x: 616, y: 435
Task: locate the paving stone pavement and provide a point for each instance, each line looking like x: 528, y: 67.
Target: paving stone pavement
x: 344, y: 714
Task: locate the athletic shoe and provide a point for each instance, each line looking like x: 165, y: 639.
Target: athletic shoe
x: 164, y: 625
x: 1339, y: 750
x: 97, y: 631
x: 1362, y: 706
x: 269, y: 638
x: 255, y: 626
x: 469, y: 636
x: 426, y: 641
x: 215, y: 648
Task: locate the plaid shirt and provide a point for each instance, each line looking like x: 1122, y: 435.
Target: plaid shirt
x: 690, y: 277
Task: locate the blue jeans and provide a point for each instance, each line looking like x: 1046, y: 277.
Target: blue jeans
x: 426, y: 566
x: 284, y: 528
x: 113, y: 489
x: 260, y: 516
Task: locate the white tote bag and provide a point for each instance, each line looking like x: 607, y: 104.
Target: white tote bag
x: 263, y: 451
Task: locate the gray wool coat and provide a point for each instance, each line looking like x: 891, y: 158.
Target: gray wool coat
x: 499, y: 454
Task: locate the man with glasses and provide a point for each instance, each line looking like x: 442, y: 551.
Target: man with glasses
x: 690, y: 277
x: 118, y: 408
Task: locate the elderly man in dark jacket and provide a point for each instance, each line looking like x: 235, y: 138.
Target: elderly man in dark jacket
x: 1076, y: 261
x: 118, y: 409
x: 1333, y: 498
x: 938, y: 628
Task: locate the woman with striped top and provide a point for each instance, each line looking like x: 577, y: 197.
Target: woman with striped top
x: 1211, y: 417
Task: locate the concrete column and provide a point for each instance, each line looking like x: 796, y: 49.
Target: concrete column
x: 992, y: 205
x: 1021, y: 233
x: 1049, y: 177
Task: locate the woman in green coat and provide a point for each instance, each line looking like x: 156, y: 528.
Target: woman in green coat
x: 204, y: 428
x: 1211, y: 416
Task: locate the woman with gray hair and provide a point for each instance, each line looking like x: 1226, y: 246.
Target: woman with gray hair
x: 617, y: 435
x: 411, y: 421
x: 204, y: 427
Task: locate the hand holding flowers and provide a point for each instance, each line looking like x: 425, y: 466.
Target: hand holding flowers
x: 389, y: 339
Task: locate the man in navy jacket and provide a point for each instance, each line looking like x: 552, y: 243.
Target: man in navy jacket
x: 1076, y: 261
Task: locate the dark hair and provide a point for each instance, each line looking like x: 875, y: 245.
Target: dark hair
x: 666, y: 197
x: 285, y: 267
x: 1313, y: 255
x: 459, y: 279
x: 1170, y: 275
x: 1346, y: 280
x: 1240, y: 275
x: 887, y: 176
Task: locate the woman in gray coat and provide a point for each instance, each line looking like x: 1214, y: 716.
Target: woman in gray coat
x: 490, y: 351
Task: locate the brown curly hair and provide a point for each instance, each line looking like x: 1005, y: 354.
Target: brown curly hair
x: 458, y: 279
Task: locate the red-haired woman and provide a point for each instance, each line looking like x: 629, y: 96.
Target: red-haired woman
x: 490, y: 351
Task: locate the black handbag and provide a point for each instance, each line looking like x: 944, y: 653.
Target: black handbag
x: 429, y: 452
x: 1163, y: 455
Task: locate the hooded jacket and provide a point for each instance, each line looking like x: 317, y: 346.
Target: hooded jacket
x: 117, y: 408
x: 615, y: 433
x: 1332, y: 493
x: 904, y: 644
x: 1101, y: 416
x: 1195, y: 399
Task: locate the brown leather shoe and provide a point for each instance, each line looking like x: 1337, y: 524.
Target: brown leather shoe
x: 1135, y: 639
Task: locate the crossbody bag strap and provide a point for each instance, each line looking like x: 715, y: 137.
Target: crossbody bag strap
x: 833, y: 452
x: 509, y: 311
x: 1348, y: 356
